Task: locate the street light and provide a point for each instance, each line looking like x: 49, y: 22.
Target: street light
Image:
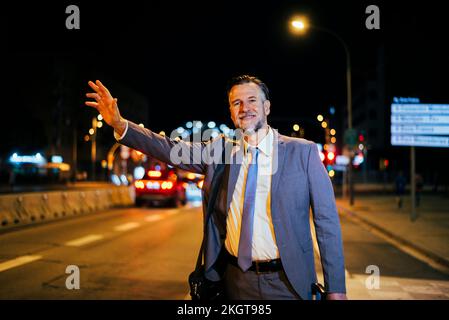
x: 299, y: 25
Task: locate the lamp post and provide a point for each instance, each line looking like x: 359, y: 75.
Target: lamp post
x: 300, y: 25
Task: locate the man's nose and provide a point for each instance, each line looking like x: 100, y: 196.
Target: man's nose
x: 244, y: 107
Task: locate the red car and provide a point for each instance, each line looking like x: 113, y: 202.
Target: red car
x: 160, y: 186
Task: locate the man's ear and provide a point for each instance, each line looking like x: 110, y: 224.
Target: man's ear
x: 266, y: 106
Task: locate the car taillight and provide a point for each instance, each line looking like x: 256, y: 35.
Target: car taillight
x: 139, y: 184
x: 154, y: 174
x: 167, y: 185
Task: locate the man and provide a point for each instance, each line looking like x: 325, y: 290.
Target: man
x: 261, y: 219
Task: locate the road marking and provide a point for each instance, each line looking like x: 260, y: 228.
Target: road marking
x: 84, y: 240
x: 154, y: 217
x: 172, y: 211
x: 127, y: 226
x: 18, y: 262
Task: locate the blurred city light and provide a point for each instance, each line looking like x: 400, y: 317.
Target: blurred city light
x: 189, y: 124
x: 91, y: 131
x: 141, y: 125
x: 86, y: 138
x: 333, y: 132
x: 333, y: 140
x: 296, y: 127
x: 37, y: 159
x: 99, y: 124
x: 115, y: 179
x: 162, y: 133
x: 56, y: 159
x: 331, y: 173
x: 324, y: 124
x: 320, y: 118
x: 211, y: 124
x: 100, y: 117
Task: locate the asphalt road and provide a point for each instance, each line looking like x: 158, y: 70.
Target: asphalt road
x: 148, y: 253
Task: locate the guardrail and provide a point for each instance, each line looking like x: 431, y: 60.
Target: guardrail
x: 32, y: 208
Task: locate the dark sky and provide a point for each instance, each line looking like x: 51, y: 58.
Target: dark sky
x: 181, y: 54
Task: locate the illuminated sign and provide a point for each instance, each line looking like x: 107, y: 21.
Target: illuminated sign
x: 419, y: 124
x: 37, y: 159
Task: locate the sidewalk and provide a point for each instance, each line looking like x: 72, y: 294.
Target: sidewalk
x: 428, y: 235
x: 427, y: 239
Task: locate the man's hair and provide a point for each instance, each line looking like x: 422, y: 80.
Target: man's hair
x: 248, y: 79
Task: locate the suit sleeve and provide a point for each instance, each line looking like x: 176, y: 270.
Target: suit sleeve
x: 327, y: 223
x: 181, y: 154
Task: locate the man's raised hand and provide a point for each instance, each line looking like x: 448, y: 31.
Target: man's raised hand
x: 106, y: 106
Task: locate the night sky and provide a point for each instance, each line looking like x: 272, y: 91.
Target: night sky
x: 180, y: 55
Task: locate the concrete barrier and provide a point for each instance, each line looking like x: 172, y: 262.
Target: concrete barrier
x: 29, y: 208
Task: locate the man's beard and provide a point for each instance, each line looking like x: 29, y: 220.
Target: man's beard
x: 254, y: 130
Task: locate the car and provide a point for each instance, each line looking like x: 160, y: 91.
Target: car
x: 160, y: 186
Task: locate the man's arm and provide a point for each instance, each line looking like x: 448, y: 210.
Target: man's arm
x: 327, y: 226
x: 189, y: 157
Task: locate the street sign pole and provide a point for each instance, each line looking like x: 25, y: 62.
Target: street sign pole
x: 413, y: 183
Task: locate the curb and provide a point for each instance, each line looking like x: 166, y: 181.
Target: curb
x: 425, y: 252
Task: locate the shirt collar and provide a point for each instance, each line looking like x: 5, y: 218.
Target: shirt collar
x: 265, y: 145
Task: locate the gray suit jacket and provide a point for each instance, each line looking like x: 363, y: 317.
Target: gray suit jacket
x: 300, y: 182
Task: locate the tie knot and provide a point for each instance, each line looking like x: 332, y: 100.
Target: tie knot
x: 254, y: 151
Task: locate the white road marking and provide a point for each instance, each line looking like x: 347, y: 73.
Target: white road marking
x: 154, y: 217
x: 127, y: 226
x: 84, y: 240
x: 18, y: 262
x: 172, y: 211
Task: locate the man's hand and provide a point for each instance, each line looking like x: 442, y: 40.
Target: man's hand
x: 336, y: 296
x: 107, y: 106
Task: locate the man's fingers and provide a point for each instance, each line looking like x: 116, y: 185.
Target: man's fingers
x: 92, y: 104
x: 102, y: 87
x: 94, y: 86
x: 93, y: 96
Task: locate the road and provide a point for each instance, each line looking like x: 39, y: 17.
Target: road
x: 148, y: 253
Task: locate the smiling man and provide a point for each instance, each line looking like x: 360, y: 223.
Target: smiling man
x: 260, y: 227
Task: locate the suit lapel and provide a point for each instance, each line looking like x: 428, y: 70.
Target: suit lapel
x: 234, y: 169
x: 278, y: 165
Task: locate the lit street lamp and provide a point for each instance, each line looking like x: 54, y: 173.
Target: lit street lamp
x: 300, y: 25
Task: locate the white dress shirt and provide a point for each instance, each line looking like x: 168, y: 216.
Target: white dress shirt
x: 264, y: 242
